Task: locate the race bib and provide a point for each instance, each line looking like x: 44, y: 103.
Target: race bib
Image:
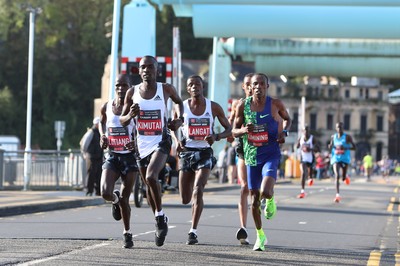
x: 149, y: 123
x: 259, y: 136
x: 199, y: 128
x: 306, y: 148
x: 339, y: 150
x: 117, y: 138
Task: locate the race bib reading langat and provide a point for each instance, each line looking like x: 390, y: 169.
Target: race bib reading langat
x: 117, y: 138
x: 149, y: 123
x: 259, y: 136
x: 199, y: 128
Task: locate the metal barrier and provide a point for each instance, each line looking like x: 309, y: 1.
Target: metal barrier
x: 50, y: 169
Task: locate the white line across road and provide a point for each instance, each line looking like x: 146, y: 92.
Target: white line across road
x: 58, y: 256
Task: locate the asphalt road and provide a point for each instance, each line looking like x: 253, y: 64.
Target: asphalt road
x: 362, y: 230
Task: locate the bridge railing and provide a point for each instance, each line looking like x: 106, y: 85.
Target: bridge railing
x: 50, y: 169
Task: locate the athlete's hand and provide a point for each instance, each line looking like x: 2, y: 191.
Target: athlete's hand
x: 103, y: 142
x: 130, y: 145
x: 180, y: 147
x: 230, y: 139
x: 249, y: 127
x: 174, y: 124
x: 281, y: 138
x: 134, y: 110
x: 210, y: 139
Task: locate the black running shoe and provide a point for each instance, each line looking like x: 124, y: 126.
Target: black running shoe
x: 115, y: 209
x: 161, y: 229
x: 241, y: 235
x: 192, y: 239
x: 128, y: 243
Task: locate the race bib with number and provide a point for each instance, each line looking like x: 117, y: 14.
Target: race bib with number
x: 117, y: 138
x: 149, y: 123
x: 199, y: 128
x: 259, y: 136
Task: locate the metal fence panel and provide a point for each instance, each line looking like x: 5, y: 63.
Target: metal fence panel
x: 50, y: 169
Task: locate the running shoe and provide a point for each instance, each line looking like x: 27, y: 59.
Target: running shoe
x: 128, y: 243
x: 115, y: 209
x: 347, y: 180
x: 241, y: 235
x: 337, y: 199
x: 310, y: 182
x: 161, y: 229
x: 270, y: 209
x: 301, y: 195
x: 260, y: 243
x: 192, y: 239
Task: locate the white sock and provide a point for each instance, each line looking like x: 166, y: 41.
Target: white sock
x: 337, y: 195
x: 116, y: 198
x: 193, y: 231
x: 127, y: 231
x: 302, y: 191
x: 160, y: 213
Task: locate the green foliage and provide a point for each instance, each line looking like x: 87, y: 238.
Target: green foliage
x: 71, y: 49
x: 6, y: 106
x: 70, y: 52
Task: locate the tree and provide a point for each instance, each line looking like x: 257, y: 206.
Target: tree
x: 71, y: 49
x: 70, y: 52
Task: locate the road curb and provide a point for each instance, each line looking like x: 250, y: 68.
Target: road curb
x: 49, y: 206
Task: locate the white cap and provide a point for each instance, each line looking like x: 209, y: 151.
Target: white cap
x: 96, y: 120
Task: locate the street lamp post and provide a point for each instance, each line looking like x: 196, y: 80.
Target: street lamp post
x: 28, y: 155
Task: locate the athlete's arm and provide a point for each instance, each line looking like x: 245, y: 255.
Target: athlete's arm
x: 239, y: 129
x: 174, y: 133
x: 220, y: 114
x: 349, y: 139
x: 129, y: 110
x: 283, y: 114
x: 170, y: 92
x: 102, y: 126
x: 330, y: 145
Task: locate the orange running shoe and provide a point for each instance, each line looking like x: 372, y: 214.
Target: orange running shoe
x: 347, y: 180
x: 310, y: 182
x: 301, y: 195
x: 337, y: 199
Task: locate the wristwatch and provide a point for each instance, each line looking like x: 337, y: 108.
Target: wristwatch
x: 285, y: 132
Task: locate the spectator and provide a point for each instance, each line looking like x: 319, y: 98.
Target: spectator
x: 320, y: 166
x: 368, y: 164
x: 93, y: 155
x: 282, y: 164
x: 231, y: 163
x: 221, y: 164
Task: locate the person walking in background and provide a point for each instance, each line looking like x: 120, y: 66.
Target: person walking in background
x: 320, y: 165
x: 368, y: 164
x: 282, y: 163
x: 221, y: 167
x: 196, y: 156
x: 120, y: 160
x: 147, y: 103
x: 93, y: 155
x: 340, y: 146
x: 242, y: 234
x: 384, y: 165
x: 397, y: 168
x: 263, y: 122
x: 307, y: 145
